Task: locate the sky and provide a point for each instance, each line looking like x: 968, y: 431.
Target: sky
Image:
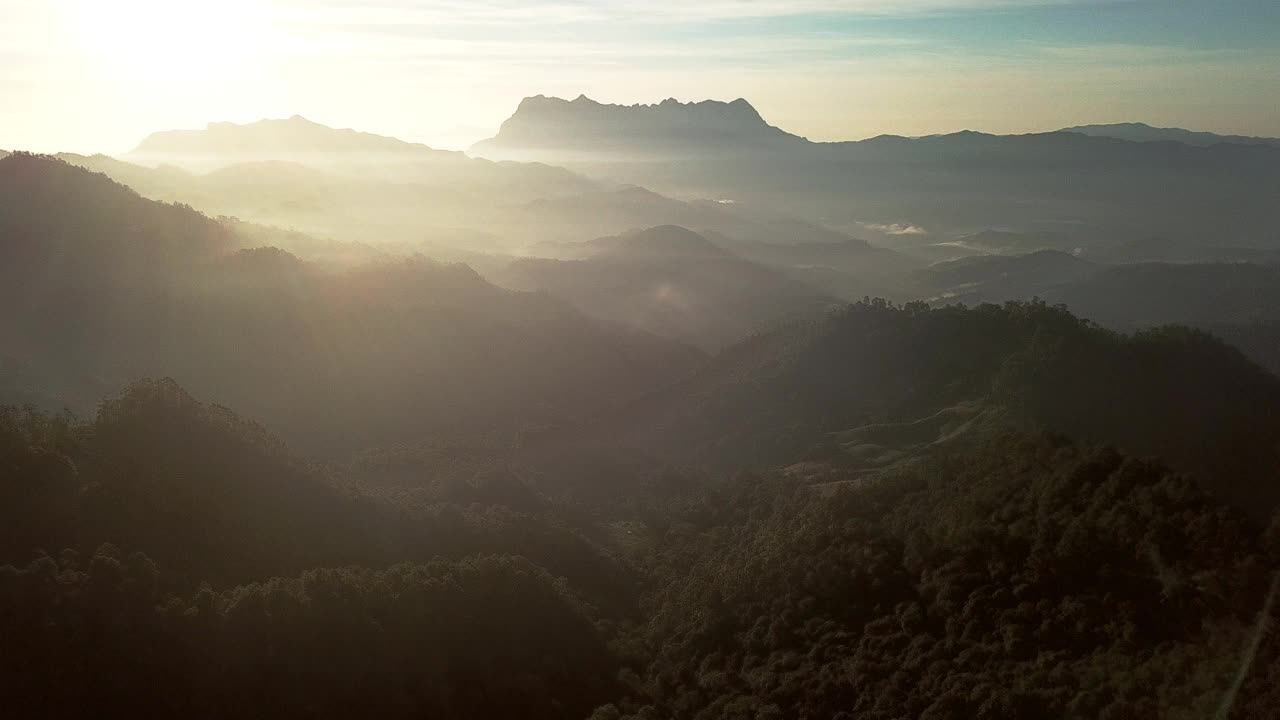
x: 99, y: 75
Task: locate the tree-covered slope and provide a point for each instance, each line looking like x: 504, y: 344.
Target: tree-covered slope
x: 782, y: 396
x: 1029, y: 578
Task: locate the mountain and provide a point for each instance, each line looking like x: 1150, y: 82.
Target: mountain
x: 1169, y: 250
x: 111, y: 236
x: 356, y: 199
x: 294, y: 135
x: 514, y: 208
x: 1093, y: 190
x: 664, y: 242
x: 178, y: 525
x: 998, y: 278
x: 846, y: 268
x: 669, y: 126
x: 360, y: 156
x: 1233, y: 300
x: 1146, y: 294
x: 1141, y: 132
x: 103, y: 286
x: 671, y: 282
x: 986, y: 242
x: 871, y: 386
x: 567, y: 219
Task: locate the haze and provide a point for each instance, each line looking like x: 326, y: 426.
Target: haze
x: 447, y: 72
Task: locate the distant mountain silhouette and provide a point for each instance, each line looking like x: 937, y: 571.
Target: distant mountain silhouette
x: 547, y: 122
x: 477, y: 206
x: 1171, y: 250
x: 998, y: 278
x: 1099, y: 189
x: 363, y: 156
x: 1237, y: 299
x: 597, y: 213
x: 846, y: 268
x: 1145, y: 294
x: 663, y: 241
x: 1142, y: 132
x: 988, y: 242
x: 673, y: 282
x: 294, y: 135
x: 422, y: 197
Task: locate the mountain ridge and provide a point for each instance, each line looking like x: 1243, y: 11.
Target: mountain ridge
x: 1142, y: 132
x: 1025, y: 181
x: 123, y: 287
x: 540, y: 119
x: 295, y: 133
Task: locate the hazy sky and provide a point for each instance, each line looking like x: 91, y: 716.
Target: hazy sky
x: 98, y: 75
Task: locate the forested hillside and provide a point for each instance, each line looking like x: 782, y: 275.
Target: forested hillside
x: 1016, y: 581
x: 191, y: 566
x: 802, y: 392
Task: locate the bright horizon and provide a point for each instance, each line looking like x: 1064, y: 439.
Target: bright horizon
x: 84, y: 76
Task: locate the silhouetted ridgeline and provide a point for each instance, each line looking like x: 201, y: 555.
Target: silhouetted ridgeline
x: 1114, y: 188
x: 1141, y: 132
x: 670, y: 126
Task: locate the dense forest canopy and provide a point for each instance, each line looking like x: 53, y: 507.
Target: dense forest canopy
x: 166, y: 546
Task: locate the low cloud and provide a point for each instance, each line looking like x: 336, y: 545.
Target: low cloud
x: 896, y: 228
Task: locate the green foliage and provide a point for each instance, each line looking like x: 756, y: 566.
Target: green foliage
x: 212, y: 497
x: 1172, y: 392
x: 469, y: 639
x: 1024, y: 577
x: 1028, y: 579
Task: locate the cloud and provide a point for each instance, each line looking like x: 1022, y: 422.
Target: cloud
x: 896, y: 228
x: 550, y: 12
x: 1132, y: 54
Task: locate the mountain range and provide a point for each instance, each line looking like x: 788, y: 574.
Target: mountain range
x: 1094, y: 189
x: 672, y: 282
x: 583, y: 124
x: 1141, y: 132
x: 101, y: 286
x: 665, y: 472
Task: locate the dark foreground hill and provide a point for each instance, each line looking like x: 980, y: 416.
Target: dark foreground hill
x: 1023, y: 577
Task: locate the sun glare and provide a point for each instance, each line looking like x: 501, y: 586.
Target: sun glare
x: 160, y: 41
